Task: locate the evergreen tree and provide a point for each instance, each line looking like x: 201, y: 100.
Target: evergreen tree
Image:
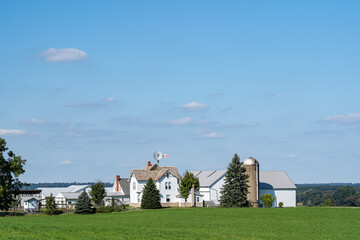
x: 151, y: 196
x: 235, y: 189
x: 98, y: 193
x: 50, y: 207
x: 187, y: 182
x: 83, y: 204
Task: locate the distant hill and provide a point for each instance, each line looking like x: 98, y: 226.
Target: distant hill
x: 60, y: 184
x: 326, y: 184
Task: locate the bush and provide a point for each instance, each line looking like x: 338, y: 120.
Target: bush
x: 267, y: 200
x: 109, y: 209
x: 281, y: 204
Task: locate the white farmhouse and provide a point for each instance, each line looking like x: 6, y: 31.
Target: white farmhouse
x: 119, y: 192
x: 166, y: 180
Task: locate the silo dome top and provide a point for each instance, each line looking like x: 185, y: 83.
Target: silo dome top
x: 250, y: 161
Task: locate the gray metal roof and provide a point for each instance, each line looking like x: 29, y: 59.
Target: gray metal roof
x: 55, y: 191
x: 275, y: 180
x: 125, y: 185
x: 208, y: 178
x: 70, y: 195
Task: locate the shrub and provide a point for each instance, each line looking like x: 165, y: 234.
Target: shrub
x: 281, y: 204
x: 267, y: 200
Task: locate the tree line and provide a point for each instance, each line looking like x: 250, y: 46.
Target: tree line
x: 328, y: 195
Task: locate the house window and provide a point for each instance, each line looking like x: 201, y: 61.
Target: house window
x: 134, y: 185
x: 167, y: 175
x: 197, y: 199
x: 169, y: 185
x: 139, y: 198
x: 166, y: 185
x: 167, y: 198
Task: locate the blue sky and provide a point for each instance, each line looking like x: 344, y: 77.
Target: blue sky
x: 90, y: 89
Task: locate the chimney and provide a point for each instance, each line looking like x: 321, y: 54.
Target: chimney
x: 117, y: 182
x: 149, y: 163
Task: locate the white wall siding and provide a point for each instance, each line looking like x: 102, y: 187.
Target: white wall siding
x: 171, y: 192
x: 287, y: 196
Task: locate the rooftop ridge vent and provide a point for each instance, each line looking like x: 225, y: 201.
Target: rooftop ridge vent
x: 211, y: 174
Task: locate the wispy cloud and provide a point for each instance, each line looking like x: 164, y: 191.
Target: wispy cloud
x: 181, y: 121
x: 240, y: 125
x: 344, y: 119
x: 60, y: 89
x: 86, y: 105
x: 111, y: 99
x: 63, y: 55
x: 65, y: 162
x: 12, y: 132
x: 86, y: 132
x: 217, y: 94
x: 208, y: 134
x: 195, y: 106
x: 35, y: 121
x: 204, y: 122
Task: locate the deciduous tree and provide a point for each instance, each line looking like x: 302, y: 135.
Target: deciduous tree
x: 98, y: 193
x: 187, y: 182
x: 10, y: 170
x: 235, y: 189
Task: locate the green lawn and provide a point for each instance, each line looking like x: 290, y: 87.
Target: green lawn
x: 191, y: 223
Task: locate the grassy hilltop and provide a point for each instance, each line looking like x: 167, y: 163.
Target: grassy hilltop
x: 191, y: 223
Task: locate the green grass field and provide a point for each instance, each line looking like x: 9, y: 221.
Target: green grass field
x: 191, y: 223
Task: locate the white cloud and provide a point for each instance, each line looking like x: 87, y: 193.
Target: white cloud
x: 66, y: 162
x: 289, y: 156
x: 204, y: 122
x: 350, y: 118
x: 63, y: 55
x: 195, y: 106
x: 34, y: 121
x: 181, y: 121
x: 111, y: 99
x: 208, y: 134
x: 12, y: 132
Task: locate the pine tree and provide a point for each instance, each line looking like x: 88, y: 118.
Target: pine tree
x: 50, y: 207
x: 151, y: 196
x: 83, y: 204
x: 235, y: 189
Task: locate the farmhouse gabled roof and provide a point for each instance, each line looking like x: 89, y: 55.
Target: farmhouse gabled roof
x: 154, y: 172
x: 208, y: 178
x: 275, y: 180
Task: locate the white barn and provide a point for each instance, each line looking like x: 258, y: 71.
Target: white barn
x: 210, y: 185
x: 276, y: 183
x: 279, y: 184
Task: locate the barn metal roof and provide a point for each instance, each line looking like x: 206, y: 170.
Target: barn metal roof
x: 208, y: 178
x: 275, y: 180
